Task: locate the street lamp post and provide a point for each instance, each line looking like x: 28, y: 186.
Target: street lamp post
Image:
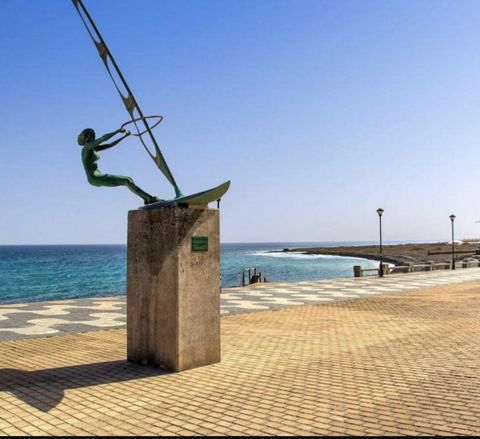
x: 380, y: 213
x: 452, y: 219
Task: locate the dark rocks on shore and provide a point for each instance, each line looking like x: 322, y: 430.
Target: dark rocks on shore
x: 397, y: 254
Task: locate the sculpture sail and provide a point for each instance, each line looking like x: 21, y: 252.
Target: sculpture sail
x: 126, y: 95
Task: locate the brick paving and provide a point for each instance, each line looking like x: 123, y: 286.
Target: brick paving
x: 381, y: 365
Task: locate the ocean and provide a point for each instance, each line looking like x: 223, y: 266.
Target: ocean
x: 54, y: 272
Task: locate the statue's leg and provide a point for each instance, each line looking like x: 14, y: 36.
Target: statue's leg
x: 147, y: 198
x: 120, y: 180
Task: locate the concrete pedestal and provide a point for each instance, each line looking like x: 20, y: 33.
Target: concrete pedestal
x: 173, y: 287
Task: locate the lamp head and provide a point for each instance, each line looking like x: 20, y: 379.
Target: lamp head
x: 452, y: 217
x: 380, y: 212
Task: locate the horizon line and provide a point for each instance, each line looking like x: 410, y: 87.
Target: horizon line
x: 406, y: 241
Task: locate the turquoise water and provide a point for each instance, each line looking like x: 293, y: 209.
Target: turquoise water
x: 53, y: 272
x: 285, y: 266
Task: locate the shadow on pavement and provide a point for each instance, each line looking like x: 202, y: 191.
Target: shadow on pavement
x: 44, y: 389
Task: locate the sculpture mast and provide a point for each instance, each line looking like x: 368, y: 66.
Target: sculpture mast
x: 129, y: 101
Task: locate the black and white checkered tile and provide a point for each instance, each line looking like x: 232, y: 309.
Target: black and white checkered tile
x: 39, y: 319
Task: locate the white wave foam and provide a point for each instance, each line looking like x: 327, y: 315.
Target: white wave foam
x: 293, y: 255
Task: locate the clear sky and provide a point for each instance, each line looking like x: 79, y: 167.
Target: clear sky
x: 318, y: 111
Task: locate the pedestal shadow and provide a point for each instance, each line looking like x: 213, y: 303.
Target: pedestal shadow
x: 44, y: 389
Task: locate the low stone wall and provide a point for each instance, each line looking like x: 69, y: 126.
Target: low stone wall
x: 409, y: 267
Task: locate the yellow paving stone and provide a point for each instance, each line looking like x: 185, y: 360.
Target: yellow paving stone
x: 392, y: 364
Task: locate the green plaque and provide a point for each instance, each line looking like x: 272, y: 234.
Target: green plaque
x: 200, y: 243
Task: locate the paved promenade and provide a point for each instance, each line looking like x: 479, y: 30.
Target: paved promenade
x: 383, y: 365
x: 20, y: 321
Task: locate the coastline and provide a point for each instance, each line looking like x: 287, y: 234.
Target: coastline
x: 346, y: 254
x: 48, y: 273
x: 397, y: 254
x: 52, y: 272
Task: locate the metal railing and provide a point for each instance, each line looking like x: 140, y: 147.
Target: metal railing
x: 252, y: 275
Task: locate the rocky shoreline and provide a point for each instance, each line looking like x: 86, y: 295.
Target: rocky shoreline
x: 397, y: 254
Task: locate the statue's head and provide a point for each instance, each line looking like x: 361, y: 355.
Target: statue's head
x: 87, y: 135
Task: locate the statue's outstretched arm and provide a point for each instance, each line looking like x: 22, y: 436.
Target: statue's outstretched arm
x: 101, y: 147
x: 107, y: 136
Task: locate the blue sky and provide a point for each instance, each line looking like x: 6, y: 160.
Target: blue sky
x: 318, y: 111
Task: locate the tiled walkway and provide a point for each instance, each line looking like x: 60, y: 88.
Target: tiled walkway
x: 39, y: 319
x: 385, y: 365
